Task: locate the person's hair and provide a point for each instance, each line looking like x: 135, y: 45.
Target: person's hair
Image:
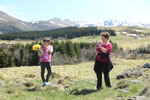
x: 46, y: 39
x: 105, y: 34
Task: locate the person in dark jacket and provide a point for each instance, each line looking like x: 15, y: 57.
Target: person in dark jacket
x: 103, y: 63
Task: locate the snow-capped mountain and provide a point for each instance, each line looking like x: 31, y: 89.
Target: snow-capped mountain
x: 50, y: 24
x: 108, y: 23
x: 10, y: 24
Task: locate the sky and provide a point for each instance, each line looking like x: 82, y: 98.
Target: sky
x: 89, y: 10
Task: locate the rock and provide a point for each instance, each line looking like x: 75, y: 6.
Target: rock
x: 145, y: 91
x: 66, y: 87
x: 28, y: 84
x: 123, y: 90
x: 2, y: 83
x: 60, y: 81
x: 34, y: 88
x: 147, y: 65
x: 10, y: 91
x: 130, y: 73
x: 121, y: 76
x: 135, y: 81
x: 122, y: 85
x: 139, y: 98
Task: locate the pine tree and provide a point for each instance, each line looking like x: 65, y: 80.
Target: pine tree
x: 77, y: 50
x: 3, y: 59
x: 70, y: 49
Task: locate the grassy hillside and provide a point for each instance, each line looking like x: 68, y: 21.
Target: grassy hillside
x: 79, y: 80
x: 126, y: 28
x: 121, y: 40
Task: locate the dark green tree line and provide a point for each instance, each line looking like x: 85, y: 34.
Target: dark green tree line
x: 68, y: 33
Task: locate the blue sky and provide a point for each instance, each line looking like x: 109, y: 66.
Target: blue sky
x: 93, y: 10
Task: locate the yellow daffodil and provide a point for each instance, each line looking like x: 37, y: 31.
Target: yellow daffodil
x: 36, y: 47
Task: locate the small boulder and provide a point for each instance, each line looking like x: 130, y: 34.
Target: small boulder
x: 60, y: 81
x: 10, y: 91
x: 147, y: 65
x: 123, y: 90
x: 122, y: 85
x: 130, y: 73
x: 34, y: 88
x: 135, y: 81
x: 66, y: 87
x: 28, y: 84
x: 145, y: 91
x: 139, y: 98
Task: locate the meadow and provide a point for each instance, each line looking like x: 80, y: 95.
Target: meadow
x: 123, y: 41
x: 78, y: 82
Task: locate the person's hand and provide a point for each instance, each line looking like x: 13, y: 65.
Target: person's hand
x: 46, y: 47
x: 98, y: 44
x: 38, y: 48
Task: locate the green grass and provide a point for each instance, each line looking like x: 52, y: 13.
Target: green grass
x: 123, y: 41
x: 82, y: 82
x: 124, y: 28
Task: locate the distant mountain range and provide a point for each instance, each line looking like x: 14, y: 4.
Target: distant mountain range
x: 9, y: 24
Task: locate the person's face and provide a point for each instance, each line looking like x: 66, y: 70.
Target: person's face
x: 45, y: 43
x: 103, y: 39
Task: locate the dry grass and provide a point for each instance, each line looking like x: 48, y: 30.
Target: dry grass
x: 82, y: 74
x: 16, y: 42
x: 123, y: 41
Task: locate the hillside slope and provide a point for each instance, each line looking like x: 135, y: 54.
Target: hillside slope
x: 73, y: 82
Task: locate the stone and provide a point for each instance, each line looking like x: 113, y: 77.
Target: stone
x: 123, y: 90
x: 66, y: 87
x: 135, y: 81
x: 139, y: 98
x: 60, y: 81
x: 147, y: 65
x: 122, y: 85
x: 28, y: 84
x: 34, y: 88
x: 130, y: 73
x: 145, y: 91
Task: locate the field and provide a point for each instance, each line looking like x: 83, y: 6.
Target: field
x: 76, y: 82
x: 126, y: 28
x: 15, y: 42
x: 79, y: 80
x: 122, y: 41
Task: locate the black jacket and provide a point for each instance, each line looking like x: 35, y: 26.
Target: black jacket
x: 109, y: 63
